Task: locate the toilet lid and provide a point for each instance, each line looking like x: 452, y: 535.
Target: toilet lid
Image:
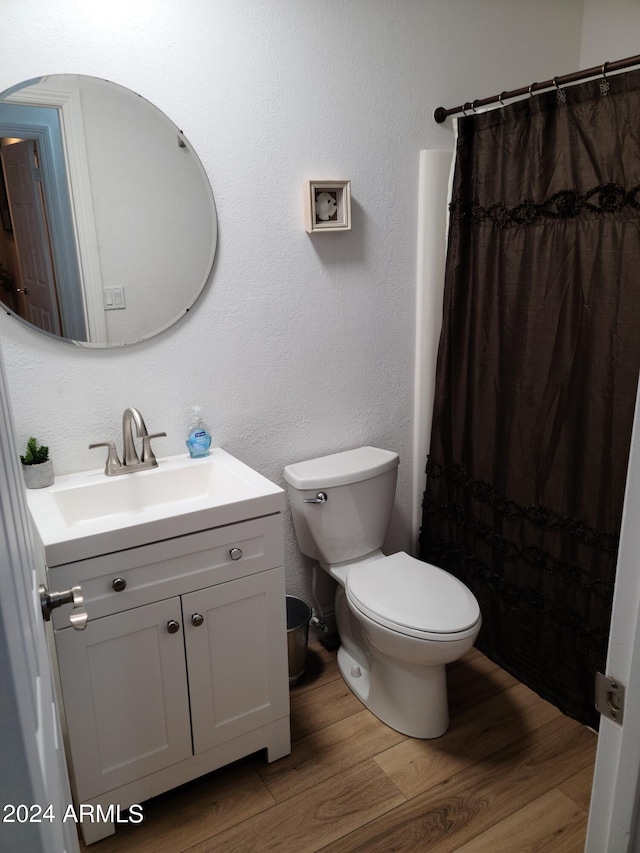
x: 402, y: 592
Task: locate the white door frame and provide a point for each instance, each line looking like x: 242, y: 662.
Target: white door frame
x: 68, y: 102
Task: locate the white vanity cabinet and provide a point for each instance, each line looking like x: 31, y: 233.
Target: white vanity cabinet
x: 182, y: 667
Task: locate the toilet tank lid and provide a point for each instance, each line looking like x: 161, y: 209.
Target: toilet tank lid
x: 339, y: 469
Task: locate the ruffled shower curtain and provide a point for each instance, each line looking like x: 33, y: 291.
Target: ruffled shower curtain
x: 537, y: 376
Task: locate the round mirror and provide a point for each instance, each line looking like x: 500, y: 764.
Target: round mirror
x: 107, y: 220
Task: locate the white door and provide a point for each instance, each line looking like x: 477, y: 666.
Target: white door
x: 38, y: 302
x: 613, y: 818
x: 34, y: 786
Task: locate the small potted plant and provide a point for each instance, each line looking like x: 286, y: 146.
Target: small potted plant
x: 37, y: 468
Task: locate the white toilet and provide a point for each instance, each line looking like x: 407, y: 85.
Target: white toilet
x: 400, y: 620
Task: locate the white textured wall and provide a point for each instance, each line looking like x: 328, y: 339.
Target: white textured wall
x: 301, y: 345
x: 610, y: 31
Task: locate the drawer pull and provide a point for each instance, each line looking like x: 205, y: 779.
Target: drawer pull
x: 235, y: 553
x: 172, y: 626
x: 119, y: 584
x: 197, y: 619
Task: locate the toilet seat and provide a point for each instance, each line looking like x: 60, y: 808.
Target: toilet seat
x: 412, y: 597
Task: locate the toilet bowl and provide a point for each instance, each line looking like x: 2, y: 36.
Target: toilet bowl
x: 400, y: 620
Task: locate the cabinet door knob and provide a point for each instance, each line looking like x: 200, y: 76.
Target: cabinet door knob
x: 118, y: 584
x: 173, y: 626
x: 235, y: 553
x: 197, y: 619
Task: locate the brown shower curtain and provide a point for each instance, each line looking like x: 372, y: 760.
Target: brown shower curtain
x: 537, y: 376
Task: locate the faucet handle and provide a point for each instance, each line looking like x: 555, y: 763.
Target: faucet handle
x: 147, y: 453
x: 113, y: 461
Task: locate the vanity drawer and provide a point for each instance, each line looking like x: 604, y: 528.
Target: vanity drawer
x: 138, y: 576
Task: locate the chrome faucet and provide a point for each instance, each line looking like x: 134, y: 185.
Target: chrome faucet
x: 129, y: 417
x: 132, y: 462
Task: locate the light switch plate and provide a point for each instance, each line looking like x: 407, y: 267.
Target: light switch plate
x: 113, y: 298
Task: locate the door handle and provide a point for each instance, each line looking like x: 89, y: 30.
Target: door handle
x: 50, y: 600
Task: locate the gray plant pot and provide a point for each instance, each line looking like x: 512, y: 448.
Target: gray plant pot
x: 38, y: 476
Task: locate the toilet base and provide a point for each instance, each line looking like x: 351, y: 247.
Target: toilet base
x: 410, y: 699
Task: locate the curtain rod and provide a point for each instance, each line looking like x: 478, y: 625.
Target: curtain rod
x: 441, y: 113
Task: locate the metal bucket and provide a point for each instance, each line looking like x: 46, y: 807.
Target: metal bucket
x: 298, y: 618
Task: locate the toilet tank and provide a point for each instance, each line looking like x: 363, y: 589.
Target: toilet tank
x: 359, y: 486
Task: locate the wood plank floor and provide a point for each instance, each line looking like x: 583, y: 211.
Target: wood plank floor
x: 512, y: 774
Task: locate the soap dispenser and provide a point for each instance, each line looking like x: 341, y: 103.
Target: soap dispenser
x: 199, y: 438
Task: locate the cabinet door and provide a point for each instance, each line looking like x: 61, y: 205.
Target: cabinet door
x: 125, y: 695
x: 236, y: 657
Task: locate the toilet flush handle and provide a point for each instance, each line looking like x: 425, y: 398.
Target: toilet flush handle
x: 320, y: 498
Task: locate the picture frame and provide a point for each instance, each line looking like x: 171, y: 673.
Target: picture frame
x: 327, y: 206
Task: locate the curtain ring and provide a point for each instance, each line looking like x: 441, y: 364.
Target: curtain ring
x: 560, y: 93
x: 530, y: 88
x: 604, y: 83
x: 500, y: 99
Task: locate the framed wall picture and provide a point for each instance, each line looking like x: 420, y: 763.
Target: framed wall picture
x: 327, y: 206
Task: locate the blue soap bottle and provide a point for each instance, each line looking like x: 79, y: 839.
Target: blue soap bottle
x: 199, y: 439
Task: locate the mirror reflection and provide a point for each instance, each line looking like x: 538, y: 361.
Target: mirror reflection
x: 107, y: 220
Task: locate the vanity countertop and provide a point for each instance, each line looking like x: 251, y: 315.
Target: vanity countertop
x: 88, y: 514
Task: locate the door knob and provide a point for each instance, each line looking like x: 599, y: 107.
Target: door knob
x: 197, y: 619
x: 50, y: 600
x: 235, y: 553
x: 172, y: 626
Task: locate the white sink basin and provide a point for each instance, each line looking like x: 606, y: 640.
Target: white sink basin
x: 87, y: 514
x: 173, y: 481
